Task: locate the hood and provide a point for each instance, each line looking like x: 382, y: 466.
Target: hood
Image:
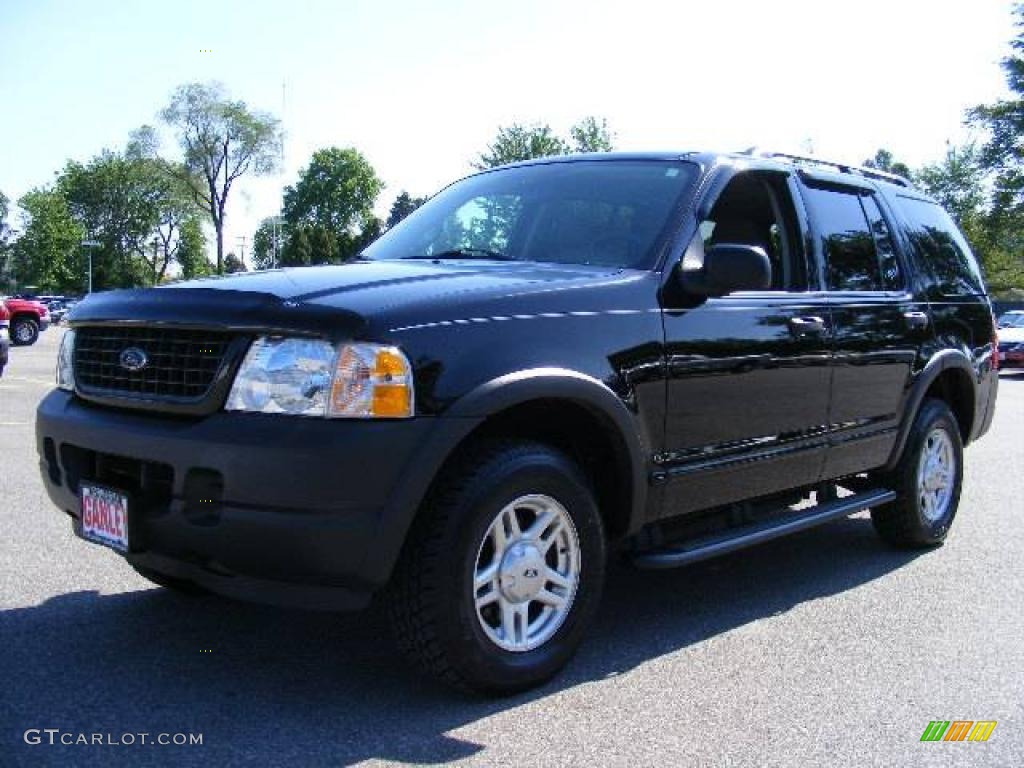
x: 344, y: 298
x: 1011, y: 334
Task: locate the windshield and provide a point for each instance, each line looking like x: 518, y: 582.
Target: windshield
x: 1012, y: 320
x: 607, y: 213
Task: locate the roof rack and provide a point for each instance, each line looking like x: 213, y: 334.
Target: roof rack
x: 872, y: 173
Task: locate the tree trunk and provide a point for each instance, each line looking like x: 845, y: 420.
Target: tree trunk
x: 219, y: 226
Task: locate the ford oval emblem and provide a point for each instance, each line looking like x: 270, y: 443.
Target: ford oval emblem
x: 133, y: 359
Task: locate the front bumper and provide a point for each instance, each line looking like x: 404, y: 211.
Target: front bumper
x: 1013, y: 359
x: 275, y: 509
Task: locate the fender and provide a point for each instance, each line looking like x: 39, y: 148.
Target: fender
x: 561, y: 383
x: 939, y: 362
x: 470, y: 411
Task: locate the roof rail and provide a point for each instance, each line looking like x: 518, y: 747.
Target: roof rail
x: 873, y: 173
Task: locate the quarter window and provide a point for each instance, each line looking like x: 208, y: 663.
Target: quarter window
x: 939, y: 244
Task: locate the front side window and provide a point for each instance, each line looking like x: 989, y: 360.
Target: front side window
x: 609, y: 213
x: 848, y: 241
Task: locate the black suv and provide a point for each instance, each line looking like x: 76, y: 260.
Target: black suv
x: 665, y: 356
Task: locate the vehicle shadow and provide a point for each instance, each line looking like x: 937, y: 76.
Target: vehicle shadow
x: 264, y: 685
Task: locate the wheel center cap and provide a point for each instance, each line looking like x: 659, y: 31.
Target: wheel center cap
x: 521, y: 573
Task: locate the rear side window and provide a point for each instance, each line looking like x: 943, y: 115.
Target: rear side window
x: 855, y: 240
x: 941, y: 248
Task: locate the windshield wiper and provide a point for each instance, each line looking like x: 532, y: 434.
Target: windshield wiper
x: 465, y: 253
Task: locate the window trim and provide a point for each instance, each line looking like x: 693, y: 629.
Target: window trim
x: 829, y: 182
x: 708, y: 197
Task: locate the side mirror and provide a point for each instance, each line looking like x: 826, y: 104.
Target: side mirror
x: 727, y: 268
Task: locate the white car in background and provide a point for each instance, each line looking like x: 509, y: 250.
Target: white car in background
x: 1011, y: 339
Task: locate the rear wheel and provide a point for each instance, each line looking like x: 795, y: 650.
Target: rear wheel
x: 502, y: 572
x: 927, y: 479
x: 24, y: 331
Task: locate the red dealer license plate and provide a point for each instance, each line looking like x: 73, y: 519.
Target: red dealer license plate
x: 105, y: 517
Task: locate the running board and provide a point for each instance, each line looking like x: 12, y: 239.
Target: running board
x: 747, y: 536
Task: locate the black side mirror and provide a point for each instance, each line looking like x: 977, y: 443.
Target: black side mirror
x: 727, y: 268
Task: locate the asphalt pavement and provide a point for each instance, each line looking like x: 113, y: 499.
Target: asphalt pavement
x: 826, y: 648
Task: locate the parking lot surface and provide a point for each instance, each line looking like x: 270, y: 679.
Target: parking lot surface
x: 826, y: 648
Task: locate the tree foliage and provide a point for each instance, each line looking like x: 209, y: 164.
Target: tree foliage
x: 336, y: 191
x: 516, y: 142
x: 404, y: 205
x: 221, y: 140
x: 233, y: 264
x: 268, y: 243
x: 1003, y: 121
x: 884, y: 161
x: 48, y: 253
x: 592, y: 135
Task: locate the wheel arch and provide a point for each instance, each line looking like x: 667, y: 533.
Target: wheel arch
x: 540, y: 404
x: 948, y: 376
x: 577, y: 414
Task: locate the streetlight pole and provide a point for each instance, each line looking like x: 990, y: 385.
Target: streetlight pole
x: 89, y: 245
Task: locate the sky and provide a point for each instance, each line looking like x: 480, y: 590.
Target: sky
x: 420, y: 88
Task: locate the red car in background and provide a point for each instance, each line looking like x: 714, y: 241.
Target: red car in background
x: 28, y: 319
x: 5, y: 339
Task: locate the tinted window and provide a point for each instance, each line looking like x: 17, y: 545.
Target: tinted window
x: 941, y: 247
x: 892, y: 278
x: 607, y: 213
x: 851, y: 261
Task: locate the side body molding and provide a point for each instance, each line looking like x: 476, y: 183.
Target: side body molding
x: 563, y: 384
x: 939, y: 362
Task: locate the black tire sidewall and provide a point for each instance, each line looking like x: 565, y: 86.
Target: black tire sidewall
x: 934, y: 415
x: 489, y: 667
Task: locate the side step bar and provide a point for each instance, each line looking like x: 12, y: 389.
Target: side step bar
x: 747, y: 536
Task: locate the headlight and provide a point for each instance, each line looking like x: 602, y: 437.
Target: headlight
x: 65, y: 362
x: 308, y: 377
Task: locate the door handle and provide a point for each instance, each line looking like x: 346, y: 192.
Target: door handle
x: 916, y: 319
x: 806, y: 326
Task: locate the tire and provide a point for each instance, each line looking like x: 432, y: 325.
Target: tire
x: 24, y: 331
x: 432, y: 597
x: 181, y: 586
x: 921, y: 517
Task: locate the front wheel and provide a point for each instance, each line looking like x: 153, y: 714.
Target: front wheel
x: 24, y: 331
x: 927, y: 479
x: 503, y: 570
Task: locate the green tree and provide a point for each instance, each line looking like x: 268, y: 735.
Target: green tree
x: 116, y: 201
x: 370, y: 232
x: 221, y: 140
x: 1003, y: 152
x: 233, y: 264
x: 5, y: 245
x: 270, y: 234
x: 517, y: 142
x: 48, y: 253
x: 323, y: 245
x: 884, y: 161
x: 404, y: 205
x: 591, y: 134
x: 297, y: 251
x: 957, y: 182
x: 336, y: 191
x: 192, y: 250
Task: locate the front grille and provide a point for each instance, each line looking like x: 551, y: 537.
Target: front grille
x: 181, y: 365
